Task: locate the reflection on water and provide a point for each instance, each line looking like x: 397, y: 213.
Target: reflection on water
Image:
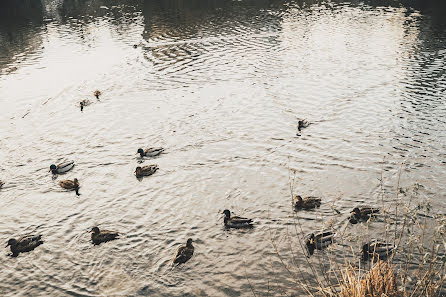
x: 220, y: 85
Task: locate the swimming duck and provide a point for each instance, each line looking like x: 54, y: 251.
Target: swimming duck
x: 362, y: 214
x: 377, y: 250
x: 83, y: 103
x: 99, y: 236
x: 70, y: 185
x: 24, y: 244
x: 319, y: 241
x: 146, y: 170
x: 150, y: 152
x: 307, y: 202
x: 301, y: 124
x: 97, y: 93
x: 236, y: 222
x: 62, y: 168
x: 184, y: 253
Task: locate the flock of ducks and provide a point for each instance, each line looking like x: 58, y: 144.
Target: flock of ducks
x: 318, y: 241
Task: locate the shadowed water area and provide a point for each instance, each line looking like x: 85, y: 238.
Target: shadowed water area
x: 220, y: 85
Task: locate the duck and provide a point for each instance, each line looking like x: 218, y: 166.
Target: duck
x: 24, y: 244
x: 146, y: 170
x: 1, y: 184
x: 150, y: 152
x: 70, y: 185
x: 319, y: 241
x: 184, y: 253
x: 362, y: 214
x: 307, y: 202
x: 84, y: 103
x: 377, y: 249
x: 236, y: 222
x: 62, y: 168
x: 99, y: 236
x: 301, y: 124
x: 97, y: 93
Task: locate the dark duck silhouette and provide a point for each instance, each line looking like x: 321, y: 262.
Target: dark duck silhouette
x: 307, y: 202
x: 377, y: 249
x: 301, y: 124
x: 184, y: 253
x: 24, y: 244
x: 235, y: 221
x: 319, y: 241
x: 62, y: 168
x: 362, y: 214
x: 100, y: 236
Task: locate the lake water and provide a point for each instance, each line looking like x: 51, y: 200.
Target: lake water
x: 220, y: 85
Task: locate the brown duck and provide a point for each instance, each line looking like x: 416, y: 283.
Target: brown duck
x: 307, y: 202
x: 24, y: 244
x: 99, y: 236
x: 184, y: 253
x: 70, y: 185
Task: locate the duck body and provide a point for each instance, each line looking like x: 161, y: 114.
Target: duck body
x: 62, y: 168
x: 24, y: 244
x: 150, y: 152
x: 307, y: 202
x: 319, y: 241
x: 146, y: 170
x: 97, y: 93
x: 184, y: 253
x: 70, y: 185
x: 301, y: 124
x: 235, y: 221
x: 362, y: 214
x: 84, y: 103
x: 377, y: 249
x: 100, y: 236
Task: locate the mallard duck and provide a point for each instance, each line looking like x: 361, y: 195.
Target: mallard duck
x: 150, y: 152
x: 307, y: 202
x: 184, y: 253
x: 97, y: 93
x: 70, y: 185
x: 84, y: 103
x: 24, y: 244
x: 146, y: 170
x: 62, y: 168
x: 236, y: 222
x: 377, y: 250
x: 99, y: 236
x: 362, y: 214
x: 301, y: 124
x: 319, y: 241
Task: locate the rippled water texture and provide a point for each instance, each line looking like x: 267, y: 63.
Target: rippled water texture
x: 220, y: 85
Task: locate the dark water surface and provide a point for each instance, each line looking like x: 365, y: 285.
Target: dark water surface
x: 220, y: 85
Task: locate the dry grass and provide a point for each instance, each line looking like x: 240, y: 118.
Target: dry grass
x: 379, y: 281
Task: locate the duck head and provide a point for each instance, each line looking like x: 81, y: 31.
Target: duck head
x: 95, y: 230
x: 299, y: 198
x: 12, y: 242
x: 53, y: 169
x: 141, y: 152
x: 365, y: 251
x: 82, y: 105
x: 356, y: 211
x: 189, y: 242
x: 227, y: 213
x: 138, y: 171
x: 310, y: 244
